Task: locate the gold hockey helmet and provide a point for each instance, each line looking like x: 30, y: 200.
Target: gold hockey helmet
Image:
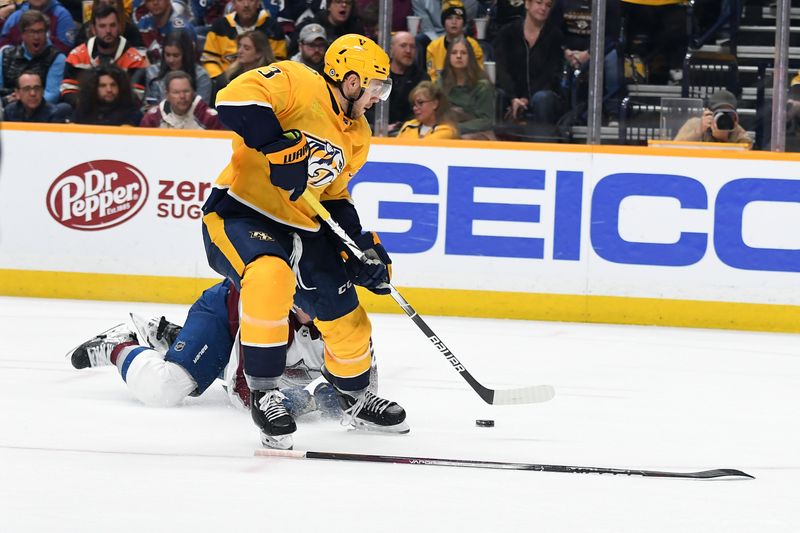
x: 359, y: 54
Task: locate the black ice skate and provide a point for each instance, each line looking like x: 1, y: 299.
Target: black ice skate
x: 372, y: 413
x: 269, y: 414
x: 158, y: 333
x: 97, y: 350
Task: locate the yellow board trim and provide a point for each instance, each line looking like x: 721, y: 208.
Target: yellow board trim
x: 117, y: 287
x: 480, y: 304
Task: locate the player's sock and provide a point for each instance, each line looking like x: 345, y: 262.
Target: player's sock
x: 102, y: 349
x: 365, y: 410
x: 270, y: 415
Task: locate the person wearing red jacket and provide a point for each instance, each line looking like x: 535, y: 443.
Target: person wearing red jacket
x: 182, y: 108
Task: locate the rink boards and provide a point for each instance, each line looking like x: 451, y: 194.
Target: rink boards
x: 558, y: 232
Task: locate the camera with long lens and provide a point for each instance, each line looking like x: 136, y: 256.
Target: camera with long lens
x: 724, y: 119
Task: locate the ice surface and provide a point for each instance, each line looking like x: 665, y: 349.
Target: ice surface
x: 77, y: 453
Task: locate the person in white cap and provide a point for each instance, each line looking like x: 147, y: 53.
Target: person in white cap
x: 312, y: 44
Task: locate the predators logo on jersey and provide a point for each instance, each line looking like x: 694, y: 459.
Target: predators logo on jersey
x: 325, y: 161
x: 299, y: 99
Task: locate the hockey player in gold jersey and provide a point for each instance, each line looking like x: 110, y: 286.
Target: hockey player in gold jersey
x: 297, y: 129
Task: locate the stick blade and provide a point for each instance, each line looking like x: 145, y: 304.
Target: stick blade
x: 721, y: 472
x: 525, y: 395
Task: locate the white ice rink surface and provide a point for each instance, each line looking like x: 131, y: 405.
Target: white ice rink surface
x: 77, y: 453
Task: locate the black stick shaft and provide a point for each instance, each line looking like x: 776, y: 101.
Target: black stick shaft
x: 524, y: 395
x: 498, y: 465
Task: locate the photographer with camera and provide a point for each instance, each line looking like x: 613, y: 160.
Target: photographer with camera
x: 719, y: 123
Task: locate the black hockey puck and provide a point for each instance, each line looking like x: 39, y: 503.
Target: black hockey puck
x: 484, y: 423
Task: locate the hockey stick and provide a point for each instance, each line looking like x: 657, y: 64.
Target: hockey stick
x: 532, y: 394
x: 496, y: 465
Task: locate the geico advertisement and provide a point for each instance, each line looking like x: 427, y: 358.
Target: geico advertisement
x: 568, y: 222
x: 601, y: 223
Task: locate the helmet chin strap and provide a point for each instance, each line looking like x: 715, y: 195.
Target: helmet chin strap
x: 350, y: 102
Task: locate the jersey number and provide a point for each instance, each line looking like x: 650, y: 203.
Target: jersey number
x: 271, y: 71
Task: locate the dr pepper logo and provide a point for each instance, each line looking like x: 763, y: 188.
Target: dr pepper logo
x: 97, y: 195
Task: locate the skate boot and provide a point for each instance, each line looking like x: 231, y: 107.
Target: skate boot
x: 370, y: 412
x: 97, y: 350
x: 269, y: 414
x: 158, y: 333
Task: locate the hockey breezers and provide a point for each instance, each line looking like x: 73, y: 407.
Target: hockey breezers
x: 524, y: 395
x: 496, y: 465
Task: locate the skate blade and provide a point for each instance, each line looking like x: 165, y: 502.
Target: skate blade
x: 397, y: 429
x: 277, y: 442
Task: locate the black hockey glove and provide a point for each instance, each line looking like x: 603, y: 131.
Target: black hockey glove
x: 288, y: 163
x: 375, y: 273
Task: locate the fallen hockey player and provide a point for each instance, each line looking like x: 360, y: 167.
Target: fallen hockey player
x: 168, y: 362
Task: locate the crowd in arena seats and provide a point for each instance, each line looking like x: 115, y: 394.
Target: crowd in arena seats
x: 471, y: 69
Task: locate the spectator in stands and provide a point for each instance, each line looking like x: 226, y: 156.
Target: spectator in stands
x: 719, y: 123
x: 469, y: 91
x: 139, y: 9
x: 405, y: 74
x: 34, y: 53
x: 206, y: 12
x: 313, y: 44
x: 338, y: 18
x: 106, y: 98
x: 528, y: 53
x: 290, y: 13
x: 160, y: 20
x: 794, y: 98
x: 221, y: 42
x: 506, y: 11
x: 454, y: 19
x: 432, y: 24
x: 29, y: 104
x: 128, y: 28
x: 7, y: 7
x: 369, y: 13
x: 107, y: 47
x: 178, y: 54
x: 253, y: 51
x: 61, y: 29
x: 182, y: 108
x: 575, y: 18
x: 430, y: 111
x: 660, y: 28
x: 793, y: 116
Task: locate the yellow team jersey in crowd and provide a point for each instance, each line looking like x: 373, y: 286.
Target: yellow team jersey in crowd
x: 220, y: 47
x: 412, y: 129
x: 301, y: 99
x: 436, y: 55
